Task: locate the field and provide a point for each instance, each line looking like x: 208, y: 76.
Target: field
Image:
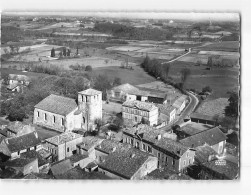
x: 95, y: 62
x: 223, y: 46
x: 134, y: 77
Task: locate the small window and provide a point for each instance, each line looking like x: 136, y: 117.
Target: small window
x: 132, y: 141
x: 187, y: 154
x: 62, y: 121
x: 37, y: 113
x: 184, y: 162
x: 45, y: 117
x: 173, y: 162
x: 18, y: 152
x: 54, y: 119
x: 144, y: 147
x: 158, y: 155
x: 68, y: 149
x: 166, y: 160
x: 137, y: 144
x: 149, y: 149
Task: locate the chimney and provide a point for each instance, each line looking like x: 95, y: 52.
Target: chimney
x: 159, y: 137
x: 132, y: 155
x: 36, y: 134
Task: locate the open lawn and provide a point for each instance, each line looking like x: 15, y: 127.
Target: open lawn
x: 134, y: 77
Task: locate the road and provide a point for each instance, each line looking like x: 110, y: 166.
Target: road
x: 189, y: 109
x: 189, y: 51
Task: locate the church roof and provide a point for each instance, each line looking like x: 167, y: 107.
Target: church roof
x: 57, y: 104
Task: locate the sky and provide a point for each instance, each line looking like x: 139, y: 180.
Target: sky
x: 139, y: 15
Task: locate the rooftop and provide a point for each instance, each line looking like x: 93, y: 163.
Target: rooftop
x: 197, y: 115
x: 194, y: 128
x: 90, y: 142
x: 202, y: 153
x: 57, y: 104
x: 18, y: 77
x: 18, y: 162
x: 38, y: 176
x: 230, y: 170
x: 211, y: 137
x: 77, y: 157
x: 22, y: 142
x: 18, y: 126
x: 10, y: 173
x: 125, y: 88
x: 165, y: 108
x: 34, y: 154
x: 125, y: 162
x: 179, y: 101
x: 140, y: 105
x: 78, y: 173
x: 63, y: 138
x: 90, y: 92
x: 109, y: 146
x: 165, y: 173
x: 61, y: 167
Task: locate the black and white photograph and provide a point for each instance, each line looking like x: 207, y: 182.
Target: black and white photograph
x: 105, y: 95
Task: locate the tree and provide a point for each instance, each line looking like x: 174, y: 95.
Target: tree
x: 102, y: 83
x: 88, y: 68
x: 64, y: 86
x: 118, y: 122
x: 116, y: 81
x: 68, y: 52
x: 52, y: 52
x: 184, y: 73
x: 64, y: 51
x: 207, y: 89
x: 77, y: 51
x: 232, y: 110
x: 210, y: 62
x: 98, y: 122
x: 12, y: 49
x: 17, y: 48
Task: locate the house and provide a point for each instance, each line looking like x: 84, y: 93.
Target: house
x: 202, y: 118
x: 17, y: 128
x: 38, y: 176
x: 168, y: 111
x: 180, y: 103
x: 17, y: 82
x: 65, y: 114
x: 87, y: 146
x: 63, y: 145
x: 80, y: 160
x: 78, y: 173
x: 60, y: 167
x: 24, y: 165
x: 136, y: 111
x: 43, y: 163
x: 219, y: 170
x: 160, y: 144
x: 128, y: 163
x: 14, y: 146
x: 10, y: 173
x: 107, y: 147
x: 213, y: 137
x: 126, y: 92
x: 166, y: 174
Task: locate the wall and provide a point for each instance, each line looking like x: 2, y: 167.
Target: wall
x: 109, y: 174
x: 49, y: 123
x: 71, y: 119
x: 83, y: 163
x: 219, y: 148
x: 188, y: 158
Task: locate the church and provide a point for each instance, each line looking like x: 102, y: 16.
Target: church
x: 66, y: 114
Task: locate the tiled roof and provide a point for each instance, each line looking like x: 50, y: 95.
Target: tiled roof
x: 179, y: 101
x: 90, y: 142
x: 110, y: 146
x: 77, y: 157
x: 140, y: 105
x: 229, y: 170
x: 12, y: 86
x: 61, y: 167
x: 18, y: 77
x: 78, y: 173
x: 125, y: 162
x: 38, y: 176
x: 202, y: 116
x: 34, y: 154
x: 171, y: 146
x: 166, y: 174
x: 202, y: 153
x: 153, y: 92
x: 18, y: 126
x: 10, y: 173
x: 57, y: 104
x: 126, y: 88
x: 90, y: 92
x: 22, y: 142
x: 18, y: 162
x: 211, y: 137
x: 165, y: 109
x: 63, y: 138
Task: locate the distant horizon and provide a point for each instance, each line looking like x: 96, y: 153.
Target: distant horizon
x: 133, y: 14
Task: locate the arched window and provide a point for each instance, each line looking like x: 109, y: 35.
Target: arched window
x: 83, y: 119
x: 45, y: 116
x: 62, y: 121
x: 54, y: 119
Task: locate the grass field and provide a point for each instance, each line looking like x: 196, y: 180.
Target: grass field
x: 29, y: 74
x: 134, y: 77
x: 223, y: 46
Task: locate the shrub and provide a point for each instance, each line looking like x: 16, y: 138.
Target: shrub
x: 88, y: 68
